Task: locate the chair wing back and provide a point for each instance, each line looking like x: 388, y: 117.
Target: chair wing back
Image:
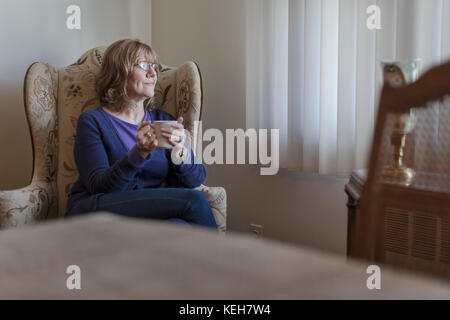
x: 40, y: 196
x: 41, y: 83
x: 178, y: 92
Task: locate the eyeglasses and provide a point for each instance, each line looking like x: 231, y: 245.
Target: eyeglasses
x: 146, y: 66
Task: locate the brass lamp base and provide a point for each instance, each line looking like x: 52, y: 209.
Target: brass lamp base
x: 402, y: 176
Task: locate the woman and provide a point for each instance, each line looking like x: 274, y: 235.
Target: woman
x: 116, y: 151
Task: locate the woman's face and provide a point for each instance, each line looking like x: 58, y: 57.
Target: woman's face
x: 141, y: 83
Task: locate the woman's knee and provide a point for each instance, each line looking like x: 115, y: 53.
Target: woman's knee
x: 198, y: 199
x: 200, y: 208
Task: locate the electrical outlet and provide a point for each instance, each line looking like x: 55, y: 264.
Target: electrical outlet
x: 256, y: 230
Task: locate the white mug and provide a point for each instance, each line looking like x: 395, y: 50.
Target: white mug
x: 163, y: 142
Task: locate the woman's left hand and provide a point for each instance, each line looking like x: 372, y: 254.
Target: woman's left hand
x: 175, y: 134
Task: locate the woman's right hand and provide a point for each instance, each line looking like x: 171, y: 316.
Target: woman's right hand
x: 146, y: 139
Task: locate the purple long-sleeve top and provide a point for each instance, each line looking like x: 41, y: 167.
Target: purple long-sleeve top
x: 108, y: 160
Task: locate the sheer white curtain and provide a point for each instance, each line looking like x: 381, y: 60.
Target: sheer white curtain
x: 312, y: 72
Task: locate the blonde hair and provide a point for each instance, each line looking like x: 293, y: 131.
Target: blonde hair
x: 118, y: 62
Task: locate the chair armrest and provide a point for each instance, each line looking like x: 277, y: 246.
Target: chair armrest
x: 27, y: 205
x: 217, y: 198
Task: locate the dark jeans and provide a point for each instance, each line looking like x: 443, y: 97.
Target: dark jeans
x: 174, y: 204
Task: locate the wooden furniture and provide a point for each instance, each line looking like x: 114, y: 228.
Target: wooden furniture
x: 123, y: 258
x: 402, y: 223
x: 353, y: 189
x: 411, y: 230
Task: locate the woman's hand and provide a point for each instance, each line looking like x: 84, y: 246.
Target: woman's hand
x: 146, y: 139
x: 175, y: 134
x: 176, y: 137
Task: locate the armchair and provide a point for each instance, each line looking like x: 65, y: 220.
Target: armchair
x: 54, y: 99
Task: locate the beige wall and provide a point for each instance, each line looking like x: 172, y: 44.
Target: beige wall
x: 297, y: 207
x: 35, y: 30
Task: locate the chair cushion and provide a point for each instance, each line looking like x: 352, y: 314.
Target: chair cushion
x: 179, y: 92
x: 76, y: 94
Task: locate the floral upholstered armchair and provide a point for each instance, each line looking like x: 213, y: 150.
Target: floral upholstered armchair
x: 54, y: 99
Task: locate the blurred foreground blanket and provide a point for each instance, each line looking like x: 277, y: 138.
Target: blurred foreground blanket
x: 123, y: 258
